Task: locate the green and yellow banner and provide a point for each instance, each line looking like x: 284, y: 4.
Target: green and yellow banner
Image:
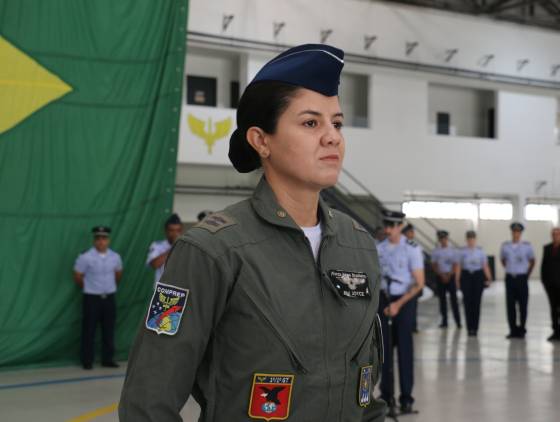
x: 90, y: 97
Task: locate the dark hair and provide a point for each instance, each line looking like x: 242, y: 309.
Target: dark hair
x: 261, y: 105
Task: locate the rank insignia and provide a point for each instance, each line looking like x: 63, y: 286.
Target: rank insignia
x: 270, y: 396
x: 364, y: 387
x: 350, y: 285
x: 166, y: 309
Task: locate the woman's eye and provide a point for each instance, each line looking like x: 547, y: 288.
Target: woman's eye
x: 338, y: 125
x: 310, y: 123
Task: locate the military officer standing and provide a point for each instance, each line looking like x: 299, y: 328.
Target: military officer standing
x: 550, y: 276
x: 444, y: 260
x: 409, y: 232
x: 267, y: 310
x: 157, y: 254
x: 518, y: 258
x: 97, y: 272
x: 472, y: 273
x: 402, y: 267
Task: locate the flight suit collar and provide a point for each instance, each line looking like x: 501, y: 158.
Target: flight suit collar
x: 266, y: 206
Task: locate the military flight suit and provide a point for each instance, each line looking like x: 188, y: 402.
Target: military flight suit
x: 259, y: 306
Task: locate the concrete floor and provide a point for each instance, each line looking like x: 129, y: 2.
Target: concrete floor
x: 488, y: 379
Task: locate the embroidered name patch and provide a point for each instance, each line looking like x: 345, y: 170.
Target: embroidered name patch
x: 166, y: 309
x: 349, y: 284
x: 364, y: 387
x: 270, y: 396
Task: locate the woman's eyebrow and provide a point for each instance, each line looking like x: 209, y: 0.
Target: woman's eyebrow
x: 316, y: 113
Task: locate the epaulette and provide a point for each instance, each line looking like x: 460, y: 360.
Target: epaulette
x: 216, y: 222
x: 358, y: 226
x: 411, y: 243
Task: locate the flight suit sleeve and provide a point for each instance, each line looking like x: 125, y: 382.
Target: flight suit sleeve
x: 162, y: 368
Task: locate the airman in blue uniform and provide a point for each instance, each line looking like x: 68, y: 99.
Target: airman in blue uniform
x: 98, y: 271
x: 402, y: 268
x: 472, y: 273
x: 444, y: 260
x: 159, y: 249
x: 518, y: 258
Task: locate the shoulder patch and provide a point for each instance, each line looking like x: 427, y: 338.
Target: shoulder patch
x: 166, y: 309
x: 216, y: 222
x: 358, y: 226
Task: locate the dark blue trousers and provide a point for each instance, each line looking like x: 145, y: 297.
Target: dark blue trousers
x: 98, y: 310
x: 472, y: 286
x: 517, y: 295
x: 443, y: 290
x: 401, y: 336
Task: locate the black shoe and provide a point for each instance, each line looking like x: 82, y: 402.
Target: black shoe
x: 110, y: 364
x: 512, y: 335
x: 406, y: 408
x: 443, y: 325
x: 87, y: 366
x: 554, y: 337
x: 459, y: 326
x: 472, y: 333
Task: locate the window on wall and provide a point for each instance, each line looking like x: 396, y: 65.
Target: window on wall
x: 495, y: 211
x: 201, y: 91
x: 353, y: 94
x: 542, y: 212
x: 443, y: 210
x: 461, y: 111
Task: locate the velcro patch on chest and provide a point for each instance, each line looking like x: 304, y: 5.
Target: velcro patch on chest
x: 166, y: 309
x: 216, y: 222
x: 350, y: 284
x: 271, y: 396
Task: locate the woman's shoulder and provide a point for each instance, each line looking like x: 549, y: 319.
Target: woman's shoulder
x: 351, y: 233
x: 234, y: 226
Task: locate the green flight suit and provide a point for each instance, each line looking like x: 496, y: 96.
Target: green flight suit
x: 258, y: 303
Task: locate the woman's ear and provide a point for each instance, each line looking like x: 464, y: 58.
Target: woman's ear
x: 258, y: 140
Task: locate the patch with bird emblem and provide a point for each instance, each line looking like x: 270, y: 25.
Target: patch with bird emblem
x: 364, y: 388
x: 270, y: 397
x: 166, y: 309
x: 350, y: 285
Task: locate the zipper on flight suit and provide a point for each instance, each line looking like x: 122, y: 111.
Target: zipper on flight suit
x: 317, y: 266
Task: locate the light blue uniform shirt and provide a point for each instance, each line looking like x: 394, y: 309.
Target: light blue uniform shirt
x: 397, y: 263
x: 517, y: 256
x: 444, y: 258
x: 99, y: 271
x: 157, y: 248
x: 472, y: 259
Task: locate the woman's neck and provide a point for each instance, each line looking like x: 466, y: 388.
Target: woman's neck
x: 301, y: 203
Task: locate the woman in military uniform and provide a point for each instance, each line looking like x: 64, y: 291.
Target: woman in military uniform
x: 472, y: 274
x: 267, y: 310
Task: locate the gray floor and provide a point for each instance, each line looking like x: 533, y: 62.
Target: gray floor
x: 488, y: 379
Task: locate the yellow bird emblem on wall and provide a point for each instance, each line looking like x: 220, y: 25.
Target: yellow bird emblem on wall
x: 208, y: 132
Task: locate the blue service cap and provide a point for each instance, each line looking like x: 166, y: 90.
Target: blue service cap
x: 315, y: 67
x: 516, y: 226
x: 393, y: 217
x: 101, y: 231
x: 441, y: 234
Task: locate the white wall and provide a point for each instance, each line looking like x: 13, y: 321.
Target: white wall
x: 394, y: 25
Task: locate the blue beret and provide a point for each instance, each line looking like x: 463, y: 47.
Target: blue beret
x: 313, y: 66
